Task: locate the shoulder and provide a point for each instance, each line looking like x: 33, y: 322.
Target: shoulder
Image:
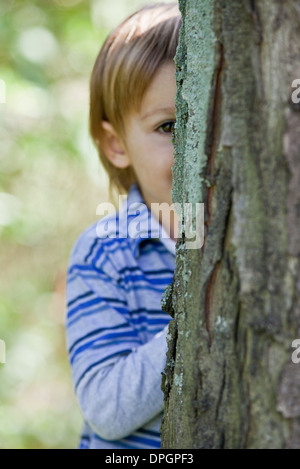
x: 109, y: 254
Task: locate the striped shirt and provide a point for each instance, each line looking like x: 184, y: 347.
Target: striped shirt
x: 116, y: 329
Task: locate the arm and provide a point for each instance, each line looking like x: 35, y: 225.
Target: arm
x: 117, y: 378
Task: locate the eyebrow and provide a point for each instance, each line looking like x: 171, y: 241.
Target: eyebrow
x: 161, y: 110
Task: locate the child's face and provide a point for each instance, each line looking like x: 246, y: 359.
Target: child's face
x: 148, y: 137
x: 147, y: 147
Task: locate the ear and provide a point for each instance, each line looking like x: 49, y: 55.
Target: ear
x: 113, y: 146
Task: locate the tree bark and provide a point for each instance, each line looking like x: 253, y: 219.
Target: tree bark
x: 230, y: 381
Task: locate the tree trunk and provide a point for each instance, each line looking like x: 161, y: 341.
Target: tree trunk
x: 230, y: 381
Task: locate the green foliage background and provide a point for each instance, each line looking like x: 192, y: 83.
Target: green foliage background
x: 50, y: 185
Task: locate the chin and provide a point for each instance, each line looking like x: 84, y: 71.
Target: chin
x: 169, y: 200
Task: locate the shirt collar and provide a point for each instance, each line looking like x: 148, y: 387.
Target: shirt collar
x: 148, y: 226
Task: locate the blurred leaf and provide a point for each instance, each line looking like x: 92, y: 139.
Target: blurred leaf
x: 50, y: 186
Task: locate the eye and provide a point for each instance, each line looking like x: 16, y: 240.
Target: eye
x: 166, y: 127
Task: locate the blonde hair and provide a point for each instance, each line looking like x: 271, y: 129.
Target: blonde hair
x: 124, y: 68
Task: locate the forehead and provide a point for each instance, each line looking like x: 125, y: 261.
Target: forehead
x: 160, y: 94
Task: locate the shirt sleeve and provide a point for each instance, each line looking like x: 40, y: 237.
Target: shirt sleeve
x: 117, y: 378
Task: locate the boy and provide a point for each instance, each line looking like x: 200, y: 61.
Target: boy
x: 116, y: 329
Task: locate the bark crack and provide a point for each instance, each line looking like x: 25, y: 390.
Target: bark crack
x: 256, y: 18
x: 221, y: 392
x: 167, y: 376
x: 214, y: 132
x: 207, y: 301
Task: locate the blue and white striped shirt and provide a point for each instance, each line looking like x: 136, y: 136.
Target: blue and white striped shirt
x: 116, y: 329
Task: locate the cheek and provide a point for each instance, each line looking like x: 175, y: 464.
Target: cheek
x: 169, y: 156
x: 152, y: 155
x: 166, y: 160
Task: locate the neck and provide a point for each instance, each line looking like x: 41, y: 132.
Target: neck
x: 167, y: 217
x: 165, y: 214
